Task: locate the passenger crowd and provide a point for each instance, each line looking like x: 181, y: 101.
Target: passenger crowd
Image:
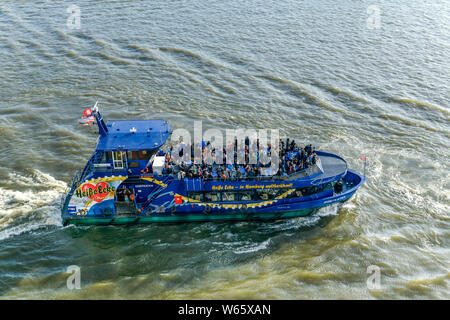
x: 292, y: 158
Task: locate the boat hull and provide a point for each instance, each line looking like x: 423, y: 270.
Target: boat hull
x: 274, y: 212
x: 199, y: 217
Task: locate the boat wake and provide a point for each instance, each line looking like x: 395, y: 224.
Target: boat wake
x: 253, y: 247
x: 28, y: 202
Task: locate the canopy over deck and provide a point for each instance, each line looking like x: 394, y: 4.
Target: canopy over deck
x: 134, y: 135
x: 332, y: 164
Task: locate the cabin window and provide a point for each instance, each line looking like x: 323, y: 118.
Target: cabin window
x: 268, y: 194
x: 229, y: 196
x: 237, y: 196
x: 307, y: 191
x: 132, y: 155
x: 198, y: 196
x: 246, y: 196
x: 212, y: 197
x: 140, y: 155
x: 103, y: 159
x: 303, y: 191
x: 145, y: 155
x: 274, y: 192
x: 262, y: 195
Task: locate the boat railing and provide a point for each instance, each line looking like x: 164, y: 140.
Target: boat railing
x: 69, y: 192
x: 313, y: 169
x: 90, y: 166
x: 64, y: 198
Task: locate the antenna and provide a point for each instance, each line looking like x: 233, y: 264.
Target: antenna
x: 95, y: 108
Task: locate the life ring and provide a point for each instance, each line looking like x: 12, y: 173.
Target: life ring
x: 207, y: 210
x: 145, y: 171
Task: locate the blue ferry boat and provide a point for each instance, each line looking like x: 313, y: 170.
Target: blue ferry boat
x: 130, y: 179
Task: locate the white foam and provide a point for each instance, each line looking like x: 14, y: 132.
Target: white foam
x: 33, y: 206
x: 297, y: 223
x: 330, y: 210
x: 263, y: 245
x: 417, y: 196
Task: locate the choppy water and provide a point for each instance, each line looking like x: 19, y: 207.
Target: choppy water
x: 314, y: 69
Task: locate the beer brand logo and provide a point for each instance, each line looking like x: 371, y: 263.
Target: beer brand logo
x: 96, y: 192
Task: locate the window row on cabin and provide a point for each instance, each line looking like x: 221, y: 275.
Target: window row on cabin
x: 131, y: 155
x: 255, y: 195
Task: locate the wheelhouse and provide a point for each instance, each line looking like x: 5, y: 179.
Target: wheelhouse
x: 127, y: 148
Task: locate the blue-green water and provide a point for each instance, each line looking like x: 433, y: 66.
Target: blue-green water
x: 320, y: 71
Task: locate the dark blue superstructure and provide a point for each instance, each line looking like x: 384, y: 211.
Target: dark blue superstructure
x: 123, y: 183
x: 137, y: 135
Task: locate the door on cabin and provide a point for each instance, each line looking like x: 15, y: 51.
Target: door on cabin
x: 119, y: 160
x: 125, y: 200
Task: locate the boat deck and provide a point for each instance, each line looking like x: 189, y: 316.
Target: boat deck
x: 332, y: 165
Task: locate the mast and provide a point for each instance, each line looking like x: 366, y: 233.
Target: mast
x: 102, y: 129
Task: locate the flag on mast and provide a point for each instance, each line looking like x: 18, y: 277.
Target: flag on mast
x: 86, y: 121
x: 87, y: 112
x: 88, y: 117
x: 364, y: 158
